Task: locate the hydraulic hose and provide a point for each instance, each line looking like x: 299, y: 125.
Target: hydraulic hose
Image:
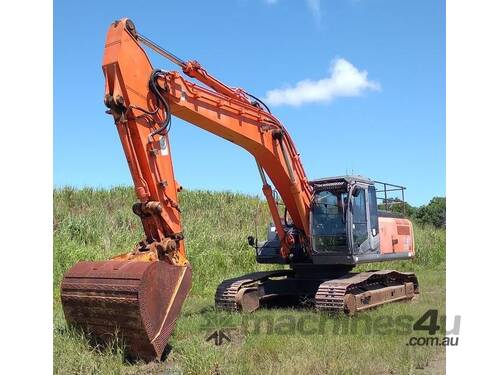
x: 156, y: 89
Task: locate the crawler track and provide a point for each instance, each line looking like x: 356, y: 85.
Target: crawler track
x: 348, y: 294
x: 359, y: 291
x: 226, y: 296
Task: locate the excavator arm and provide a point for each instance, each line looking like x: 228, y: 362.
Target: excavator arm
x: 141, y: 292
x: 142, y: 101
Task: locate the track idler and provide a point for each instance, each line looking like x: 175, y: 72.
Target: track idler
x: 139, y: 301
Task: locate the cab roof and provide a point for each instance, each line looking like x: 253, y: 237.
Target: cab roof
x: 348, y: 179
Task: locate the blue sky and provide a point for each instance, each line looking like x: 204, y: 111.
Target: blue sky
x: 359, y: 84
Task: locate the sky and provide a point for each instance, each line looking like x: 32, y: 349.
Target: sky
x: 359, y: 84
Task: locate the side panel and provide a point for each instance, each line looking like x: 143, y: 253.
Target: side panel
x: 396, y: 236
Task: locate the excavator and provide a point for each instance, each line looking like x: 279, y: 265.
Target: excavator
x: 326, y: 228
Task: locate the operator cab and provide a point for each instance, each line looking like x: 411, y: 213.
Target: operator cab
x: 346, y: 226
x: 344, y: 219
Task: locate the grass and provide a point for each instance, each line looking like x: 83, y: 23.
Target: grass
x: 93, y: 224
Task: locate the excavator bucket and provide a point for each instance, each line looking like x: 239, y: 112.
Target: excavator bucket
x: 138, y: 300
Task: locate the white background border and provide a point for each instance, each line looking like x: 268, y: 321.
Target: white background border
x: 26, y: 187
x: 473, y: 210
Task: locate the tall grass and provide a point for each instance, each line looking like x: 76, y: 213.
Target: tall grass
x: 93, y: 224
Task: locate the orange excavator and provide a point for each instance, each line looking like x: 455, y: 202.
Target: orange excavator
x: 327, y: 226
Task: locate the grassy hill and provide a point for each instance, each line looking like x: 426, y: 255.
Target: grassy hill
x: 95, y: 224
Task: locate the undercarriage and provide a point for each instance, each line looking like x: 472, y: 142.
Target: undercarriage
x: 341, y: 292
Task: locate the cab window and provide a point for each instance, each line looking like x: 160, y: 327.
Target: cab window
x: 372, y: 197
x: 359, y: 218
x: 328, y: 222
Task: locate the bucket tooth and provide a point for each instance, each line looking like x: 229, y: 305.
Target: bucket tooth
x: 138, y: 300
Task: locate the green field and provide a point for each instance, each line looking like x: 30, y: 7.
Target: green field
x: 92, y: 224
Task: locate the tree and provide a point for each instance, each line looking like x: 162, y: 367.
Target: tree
x: 433, y: 213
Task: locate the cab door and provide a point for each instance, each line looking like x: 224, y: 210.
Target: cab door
x: 364, y: 220
x: 373, y: 226
x: 359, y: 221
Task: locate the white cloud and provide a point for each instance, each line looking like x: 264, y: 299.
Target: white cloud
x: 315, y: 8
x: 271, y: 1
x: 344, y: 80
